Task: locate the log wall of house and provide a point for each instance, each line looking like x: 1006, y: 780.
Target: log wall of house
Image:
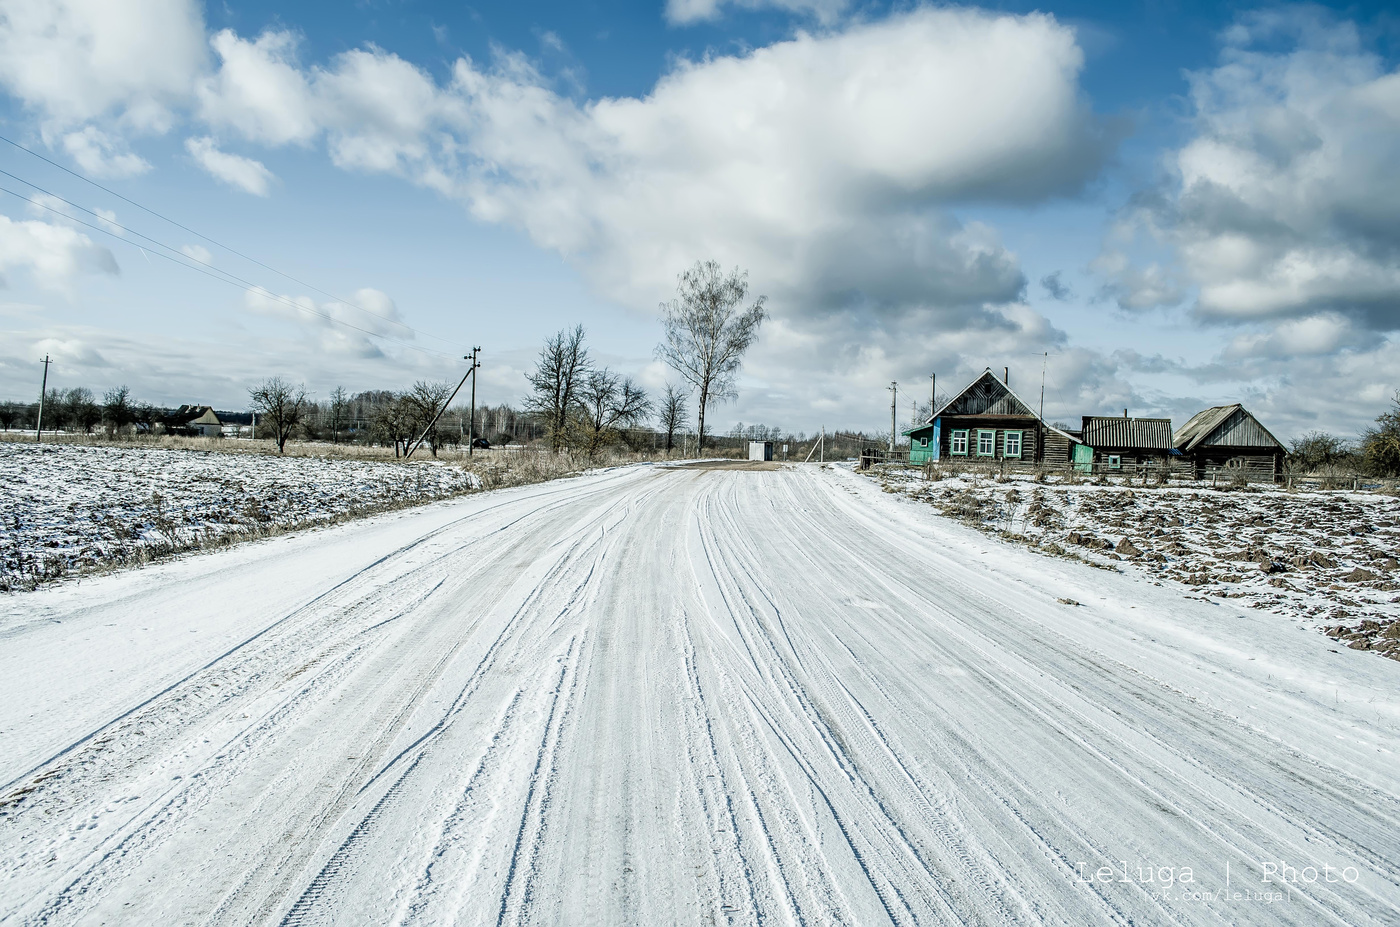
x: 1215, y: 462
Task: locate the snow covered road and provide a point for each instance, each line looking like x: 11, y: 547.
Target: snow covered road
x: 656, y: 695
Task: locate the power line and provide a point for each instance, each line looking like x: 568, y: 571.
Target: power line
x: 223, y: 276
x: 186, y: 228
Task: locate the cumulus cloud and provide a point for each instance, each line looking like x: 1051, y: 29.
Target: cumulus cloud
x: 685, y: 12
x: 75, y: 61
x: 101, y: 155
x: 336, y: 327
x: 1283, y: 204
x: 246, y: 174
x: 831, y: 166
x: 54, y: 254
x: 259, y: 90
x: 837, y: 167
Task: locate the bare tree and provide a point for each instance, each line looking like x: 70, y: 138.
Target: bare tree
x: 673, y: 414
x: 117, y: 408
x: 282, y: 406
x: 610, y: 402
x: 80, y: 409
x: 340, y: 405
x: 390, y: 419
x: 707, y: 332
x: 423, y: 403
x: 556, y: 380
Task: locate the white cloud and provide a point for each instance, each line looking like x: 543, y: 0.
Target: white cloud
x: 1325, y: 333
x: 1284, y: 203
x: 54, y: 254
x: 685, y: 12
x: 336, y: 327
x: 258, y: 90
x: 101, y: 155
x: 73, y: 61
x: 246, y: 174
x: 825, y: 164
x: 831, y: 165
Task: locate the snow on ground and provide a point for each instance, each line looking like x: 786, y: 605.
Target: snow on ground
x: 682, y: 696
x: 1326, y: 558
x: 70, y: 508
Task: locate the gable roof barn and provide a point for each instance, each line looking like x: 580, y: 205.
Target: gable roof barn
x: 1224, y: 426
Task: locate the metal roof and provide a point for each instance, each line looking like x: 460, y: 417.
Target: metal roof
x: 1111, y: 431
x: 1224, y: 426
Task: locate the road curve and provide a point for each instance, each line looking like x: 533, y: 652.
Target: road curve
x: 679, y: 696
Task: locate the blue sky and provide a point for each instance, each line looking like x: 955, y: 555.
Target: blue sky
x: 1167, y: 205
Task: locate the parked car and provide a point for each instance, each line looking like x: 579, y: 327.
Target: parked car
x: 481, y: 443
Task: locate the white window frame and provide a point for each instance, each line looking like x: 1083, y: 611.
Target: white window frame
x: 923, y: 442
x: 991, y: 436
x: 955, y: 437
x: 1115, y: 462
x: 1006, y: 440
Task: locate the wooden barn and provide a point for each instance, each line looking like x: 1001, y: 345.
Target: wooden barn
x: 988, y: 422
x: 1227, y: 441
x: 1109, y: 443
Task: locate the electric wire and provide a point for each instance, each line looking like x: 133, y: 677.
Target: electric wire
x: 201, y: 235
x: 216, y: 273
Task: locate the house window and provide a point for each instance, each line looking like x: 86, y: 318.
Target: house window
x: 1115, y: 462
x: 923, y: 442
x: 1012, y: 444
x: 957, y: 444
x: 986, y: 442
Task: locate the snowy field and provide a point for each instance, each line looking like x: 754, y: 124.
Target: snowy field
x: 1327, y: 559
x: 679, y: 696
x: 67, y: 508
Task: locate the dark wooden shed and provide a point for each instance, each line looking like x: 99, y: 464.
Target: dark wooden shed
x: 1229, y: 441
x: 1122, y: 443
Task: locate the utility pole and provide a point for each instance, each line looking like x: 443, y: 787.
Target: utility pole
x: 471, y: 429
x: 894, y: 398
x: 932, y: 395
x: 408, y: 450
x: 1043, y: 362
x: 43, y: 388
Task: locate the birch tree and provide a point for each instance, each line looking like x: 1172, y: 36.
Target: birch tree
x: 707, y: 333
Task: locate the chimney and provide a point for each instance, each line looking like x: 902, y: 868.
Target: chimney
x: 1006, y: 376
x: 1125, y: 413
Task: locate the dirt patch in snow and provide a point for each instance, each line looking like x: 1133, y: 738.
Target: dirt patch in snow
x: 1326, y: 558
x: 72, y: 509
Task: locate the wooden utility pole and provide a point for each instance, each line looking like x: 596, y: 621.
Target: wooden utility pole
x: 470, y: 370
x: 932, y: 395
x: 894, y: 398
x: 1043, y: 362
x: 43, y: 388
x: 471, y: 429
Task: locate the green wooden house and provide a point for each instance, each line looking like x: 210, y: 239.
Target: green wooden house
x: 988, y: 422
